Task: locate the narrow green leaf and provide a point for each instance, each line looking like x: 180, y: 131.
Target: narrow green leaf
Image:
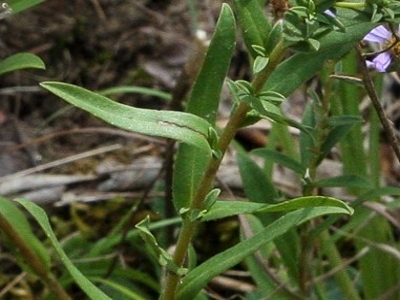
x: 203, y: 102
x: 130, y: 294
x: 181, y: 126
x: 20, y: 61
x: 356, y: 219
x: 377, y: 193
x: 205, y: 95
x: 264, y: 108
x: 223, y: 209
x: 280, y: 159
x: 21, y: 5
x: 267, y: 288
x: 253, y: 24
x: 260, y: 50
x: 386, y: 267
x: 38, y: 213
x: 274, y: 36
x: 266, y: 285
x: 257, y: 186
x: 344, y: 181
x: 307, y: 142
x: 273, y: 97
x: 136, y: 90
x: 106, y: 244
x: 342, y: 120
x: 198, y: 278
x: 155, y: 250
x: 271, y: 112
x: 19, y: 222
x: 342, y: 125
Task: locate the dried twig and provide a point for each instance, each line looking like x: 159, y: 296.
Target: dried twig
x: 100, y: 130
x: 63, y: 161
x: 13, y: 283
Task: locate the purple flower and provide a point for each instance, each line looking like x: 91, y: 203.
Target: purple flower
x: 329, y: 13
x: 385, y: 39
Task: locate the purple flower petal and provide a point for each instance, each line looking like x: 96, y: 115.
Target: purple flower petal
x: 329, y: 13
x: 378, y: 35
x: 370, y: 64
x: 381, y: 62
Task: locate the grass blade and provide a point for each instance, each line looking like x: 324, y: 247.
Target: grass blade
x: 89, y: 288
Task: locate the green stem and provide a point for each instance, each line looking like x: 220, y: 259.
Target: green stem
x: 33, y: 260
x: 182, y: 245
x: 353, y: 5
x: 206, y: 183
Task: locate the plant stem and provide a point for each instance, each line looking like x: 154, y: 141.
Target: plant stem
x: 353, y: 5
x: 33, y: 261
x: 386, y: 124
x: 324, y: 237
x: 206, y: 183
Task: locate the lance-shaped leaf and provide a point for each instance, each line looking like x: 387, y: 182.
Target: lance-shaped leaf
x: 198, y: 278
x: 280, y: 159
x: 341, y: 125
x: 253, y: 24
x: 125, y: 89
x: 345, y: 181
x: 21, y: 5
x: 223, y: 209
x: 20, y: 61
x: 258, y: 187
x: 180, y: 126
x: 162, y: 256
x: 203, y: 101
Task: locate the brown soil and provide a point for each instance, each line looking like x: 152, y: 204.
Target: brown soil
x: 94, y: 44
